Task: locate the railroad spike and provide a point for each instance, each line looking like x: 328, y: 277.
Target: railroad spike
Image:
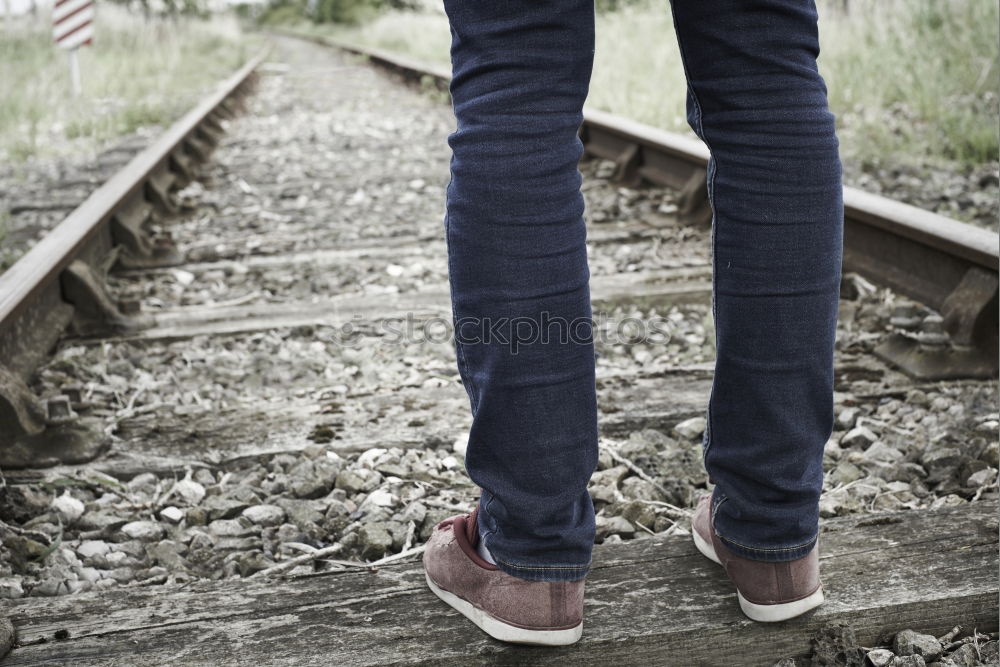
x: 158, y: 189
x: 20, y: 412
x: 199, y: 148
x: 29, y: 438
x: 94, y: 311
x: 139, y: 248
x: 183, y: 167
x: 627, y: 166
x: 966, y: 311
x: 693, y: 206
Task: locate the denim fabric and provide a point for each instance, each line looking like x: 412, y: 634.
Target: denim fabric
x: 519, y: 277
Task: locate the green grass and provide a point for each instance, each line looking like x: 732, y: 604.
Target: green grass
x: 911, y: 81
x: 138, y: 72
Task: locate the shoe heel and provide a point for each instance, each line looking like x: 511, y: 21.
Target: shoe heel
x: 706, y: 548
x: 774, y: 613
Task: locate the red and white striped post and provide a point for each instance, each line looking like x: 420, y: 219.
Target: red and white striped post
x: 72, y: 28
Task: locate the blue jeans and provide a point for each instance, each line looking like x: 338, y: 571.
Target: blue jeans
x: 520, y: 281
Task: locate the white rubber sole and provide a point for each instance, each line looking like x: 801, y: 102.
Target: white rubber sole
x: 763, y: 613
x: 503, y: 631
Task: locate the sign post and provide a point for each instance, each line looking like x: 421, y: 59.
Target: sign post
x: 72, y: 28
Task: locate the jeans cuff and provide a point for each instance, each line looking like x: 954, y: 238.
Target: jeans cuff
x: 763, y: 554
x: 769, y: 554
x: 543, y: 572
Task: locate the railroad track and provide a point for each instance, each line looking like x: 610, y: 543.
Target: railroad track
x: 59, y: 284
x: 258, y: 367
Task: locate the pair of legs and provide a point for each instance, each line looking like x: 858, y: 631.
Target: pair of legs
x: 520, y: 281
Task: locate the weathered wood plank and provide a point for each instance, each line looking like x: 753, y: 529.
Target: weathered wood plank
x: 407, y: 417
x: 660, y: 287
x: 392, y: 249
x: 653, y: 601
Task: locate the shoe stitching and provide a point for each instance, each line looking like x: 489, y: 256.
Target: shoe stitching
x: 798, y: 546
x: 543, y: 567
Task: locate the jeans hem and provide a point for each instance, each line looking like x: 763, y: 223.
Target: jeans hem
x: 761, y: 554
x: 543, y: 572
x: 769, y: 554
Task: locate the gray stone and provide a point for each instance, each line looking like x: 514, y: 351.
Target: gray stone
x: 942, y: 463
x: 613, y: 525
x: 91, y: 574
x: 638, y: 512
x: 880, y: 657
x: 392, y: 469
x: 11, y: 588
x: 240, y: 544
x: 836, y: 644
x: 965, y: 656
x: 991, y: 455
x: 204, y: 477
x: 146, y: 531
x: 51, y: 586
x: 306, y: 514
x: 376, y: 540
x: 903, y: 471
x: 361, y: 480
x: 92, y: 548
x: 311, y: 487
x: 68, y: 508
x: 434, y: 517
x: 143, y: 482
x: 879, y: 451
x: 908, y: 661
x: 172, y: 514
x: 168, y: 554
x: 845, y: 473
x: 690, y: 429
x: 990, y: 652
x: 232, y: 528
x: 191, y: 491
x: 133, y: 548
x: 265, y: 515
x: 100, y: 520
x: 223, y: 507
x: 859, y: 436
x: 249, y: 563
x: 846, y: 418
x: 398, y: 529
x: 415, y: 512
x: 984, y: 477
x: 909, y: 642
x: 639, y: 489
x: 196, y: 516
x: 917, y: 397
x: 610, y: 477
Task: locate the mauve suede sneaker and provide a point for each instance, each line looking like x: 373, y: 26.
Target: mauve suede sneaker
x: 768, y: 592
x: 504, y: 607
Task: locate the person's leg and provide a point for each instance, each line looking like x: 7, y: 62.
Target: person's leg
x: 758, y: 101
x: 519, y: 277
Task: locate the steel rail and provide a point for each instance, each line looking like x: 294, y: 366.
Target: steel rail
x: 46, y: 259
x: 60, y: 283
x: 948, y: 265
